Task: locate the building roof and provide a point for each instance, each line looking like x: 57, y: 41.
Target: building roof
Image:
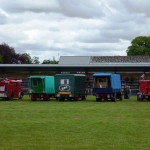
x: 85, y: 60
x: 74, y: 60
x: 85, y: 64
x: 120, y: 59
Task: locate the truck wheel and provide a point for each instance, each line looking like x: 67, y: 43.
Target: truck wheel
x: 120, y: 98
x: 83, y: 98
x: 20, y: 95
x: 139, y: 98
x: 45, y: 98
x: 98, y: 100
x: 69, y: 98
x: 61, y: 99
x: 105, y: 99
x: 12, y: 96
x: 75, y: 98
x: 33, y: 98
x: 7, y: 98
x: 113, y: 99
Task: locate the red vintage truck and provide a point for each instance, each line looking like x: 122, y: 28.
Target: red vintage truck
x: 144, y: 90
x: 10, y: 89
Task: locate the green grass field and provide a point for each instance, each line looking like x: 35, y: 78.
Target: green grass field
x: 84, y: 125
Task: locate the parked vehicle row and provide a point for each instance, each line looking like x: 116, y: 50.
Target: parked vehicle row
x: 106, y: 87
x: 61, y: 86
x: 72, y: 87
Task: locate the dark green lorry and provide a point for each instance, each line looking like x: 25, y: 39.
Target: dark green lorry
x: 70, y: 87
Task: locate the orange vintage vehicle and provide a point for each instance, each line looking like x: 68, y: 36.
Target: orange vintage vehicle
x: 10, y: 89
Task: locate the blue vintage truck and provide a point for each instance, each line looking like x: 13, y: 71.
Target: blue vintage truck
x: 107, y: 86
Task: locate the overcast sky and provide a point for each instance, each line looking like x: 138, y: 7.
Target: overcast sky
x: 54, y: 28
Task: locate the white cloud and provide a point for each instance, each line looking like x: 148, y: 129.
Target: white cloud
x: 140, y: 6
x: 72, y: 27
x: 19, y: 6
x: 82, y: 8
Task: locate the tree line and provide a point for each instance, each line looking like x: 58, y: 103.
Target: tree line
x: 9, y: 56
x: 140, y: 46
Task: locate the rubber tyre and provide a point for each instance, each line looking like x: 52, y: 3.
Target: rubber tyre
x: 113, y: 99
x: 21, y: 96
x: 139, y: 99
x: 98, y: 100
x: 61, y: 99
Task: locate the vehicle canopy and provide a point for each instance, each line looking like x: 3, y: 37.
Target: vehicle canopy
x: 107, y: 80
x: 42, y: 84
x: 74, y: 83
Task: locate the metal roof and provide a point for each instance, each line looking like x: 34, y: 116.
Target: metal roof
x: 74, y: 60
x: 119, y: 59
x: 42, y: 77
x: 85, y: 60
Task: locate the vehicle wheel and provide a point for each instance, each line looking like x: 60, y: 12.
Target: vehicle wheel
x: 113, y: 99
x: 20, y: 95
x: 83, y: 98
x: 139, y: 98
x: 7, y: 98
x: 33, y: 98
x: 12, y: 96
x: 69, y: 98
x: 61, y: 99
x: 125, y: 96
x: 105, y: 99
x: 98, y: 99
x: 75, y: 98
x: 45, y: 98
x: 120, y: 98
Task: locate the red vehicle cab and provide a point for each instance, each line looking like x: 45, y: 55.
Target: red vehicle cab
x: 10, y: 89
x: 144, y: 90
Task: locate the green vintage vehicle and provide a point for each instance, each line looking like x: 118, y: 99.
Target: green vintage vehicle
x: 41, y: 87
x: 70, y: 86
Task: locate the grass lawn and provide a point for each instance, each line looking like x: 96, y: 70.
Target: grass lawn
x: 84, y: 125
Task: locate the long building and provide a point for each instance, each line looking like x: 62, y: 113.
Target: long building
x: 86, y: 64
x: 130, y: 68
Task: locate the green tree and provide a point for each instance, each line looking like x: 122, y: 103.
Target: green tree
x: 49, y: 61
x: 35, y: 60
x: 1, y: 59
x: 139, y: 46
x: 8, y: 55
x: 25, y: 58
